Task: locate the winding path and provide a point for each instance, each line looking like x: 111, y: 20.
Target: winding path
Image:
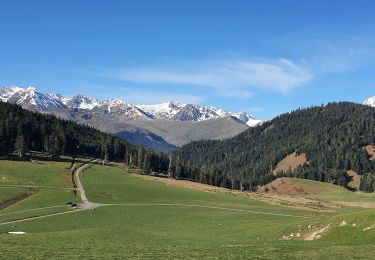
x: 86, y: 204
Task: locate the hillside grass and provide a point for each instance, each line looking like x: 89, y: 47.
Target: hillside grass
x: 326, y: 191
x: 49, y: 180
x: 140, y: 230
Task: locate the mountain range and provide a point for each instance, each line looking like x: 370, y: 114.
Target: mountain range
x: 161, y: 126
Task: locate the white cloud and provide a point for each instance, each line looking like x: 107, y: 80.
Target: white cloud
x: 228, y: 78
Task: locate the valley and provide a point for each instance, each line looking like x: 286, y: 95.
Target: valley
x: 187, y: 130
x: 144, y: 216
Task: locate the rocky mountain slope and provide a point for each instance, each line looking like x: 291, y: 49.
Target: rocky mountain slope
x: 31, y: 97
x: 160, y: 126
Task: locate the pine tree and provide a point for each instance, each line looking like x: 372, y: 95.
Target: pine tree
x: 140, y: 157
x: 171, y: 166
x: 105, y: 149
x: 20, y: 146
x: 147, y: 162
x: 127, y: 156
x: 178, y: 169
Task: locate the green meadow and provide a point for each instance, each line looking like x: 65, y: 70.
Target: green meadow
x: 146, y: 219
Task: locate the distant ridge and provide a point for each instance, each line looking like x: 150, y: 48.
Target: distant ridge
x: 31, y: 97
x: 160, y: 127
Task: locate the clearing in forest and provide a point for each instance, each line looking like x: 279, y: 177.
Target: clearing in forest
x: 292, y: 162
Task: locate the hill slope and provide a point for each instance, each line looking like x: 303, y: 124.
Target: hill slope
x: 333, y: 138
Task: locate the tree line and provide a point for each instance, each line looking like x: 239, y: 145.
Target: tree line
x: 332, y: 137
x: 22, y: 131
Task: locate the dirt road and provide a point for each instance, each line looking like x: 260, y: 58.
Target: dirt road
x: 86, y: 204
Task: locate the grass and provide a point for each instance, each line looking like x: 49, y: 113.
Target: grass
x: 136, y: 231
x: 52, y: 181
x: 331, y: 192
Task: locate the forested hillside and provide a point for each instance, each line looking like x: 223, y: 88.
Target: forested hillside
x: 22, y: 131
x: 333, y: 138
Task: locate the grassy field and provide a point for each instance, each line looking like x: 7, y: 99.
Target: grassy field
x: 327, y: 192
x: 50, y: 182
x: 145, y: 219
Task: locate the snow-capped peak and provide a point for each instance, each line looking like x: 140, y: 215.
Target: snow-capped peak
x: 188, y: 112
x: 81, y: 101
x: 114, y: 102
x: 31, y: 97
x: 7, y: 92
x: 31, y: 89
x: 370, y: 102
x: 162, y: 111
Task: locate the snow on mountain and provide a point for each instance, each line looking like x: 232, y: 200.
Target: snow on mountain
x: 116, y: 107
x: 370, y: 102
x: 30, y: 96
x: 248, y: 119
x: 7, y: 92
x: 187, y: 112
x: 162, y: 111
x: 82, y: 102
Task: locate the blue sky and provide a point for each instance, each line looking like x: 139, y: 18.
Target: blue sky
x: 263, y: 57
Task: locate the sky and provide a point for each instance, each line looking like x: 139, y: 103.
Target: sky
x: 262, y: 57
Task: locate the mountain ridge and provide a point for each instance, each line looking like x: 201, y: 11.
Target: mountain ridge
x: 31, y: 97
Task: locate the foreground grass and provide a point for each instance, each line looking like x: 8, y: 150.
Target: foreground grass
x: 50, y: 182
x: 136, y: 229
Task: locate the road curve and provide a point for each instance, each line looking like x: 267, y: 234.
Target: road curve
x: 86, y: 204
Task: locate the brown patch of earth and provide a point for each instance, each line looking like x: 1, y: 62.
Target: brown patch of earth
x: 275, y: 199
x: 370, y: 149
x: 286, y: 186
x: 292, y: 162
x: 8, y: 202
x: 356, y: 179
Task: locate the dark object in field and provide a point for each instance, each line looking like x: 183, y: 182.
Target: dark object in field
x: 72, y: 204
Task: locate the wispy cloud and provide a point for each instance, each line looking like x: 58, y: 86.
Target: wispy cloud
x: 326, y: 53
x: 236, y: 78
